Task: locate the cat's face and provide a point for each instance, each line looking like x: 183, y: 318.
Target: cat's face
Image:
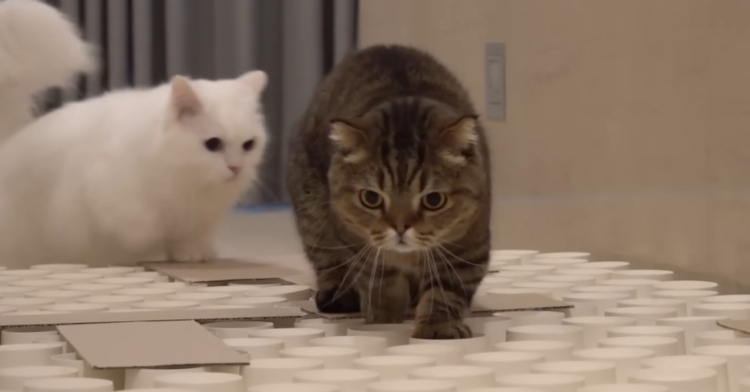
x: 407, y: 177
x: 215, y: 129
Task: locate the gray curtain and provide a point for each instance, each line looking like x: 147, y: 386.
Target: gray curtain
x: 144, y: 42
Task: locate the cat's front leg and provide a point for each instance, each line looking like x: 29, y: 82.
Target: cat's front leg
x: 335, y: 277
x: 200, y: 251
x: 446, y: 297
x: 384, y: 295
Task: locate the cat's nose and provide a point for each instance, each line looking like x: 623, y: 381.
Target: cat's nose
x: 401, y: 228
x: 234, y: 169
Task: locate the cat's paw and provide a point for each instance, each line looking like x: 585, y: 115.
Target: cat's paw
x: 333, y: 301
x: 446, y: 330
x: 194, y: 255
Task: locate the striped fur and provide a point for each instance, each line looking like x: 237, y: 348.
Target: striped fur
x: 392, y: 119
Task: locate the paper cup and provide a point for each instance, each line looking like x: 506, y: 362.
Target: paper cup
x: 721, y: 337
x: 553, y: 350
x: 595, y: 372
x: 236, y: 329
x: 526, y: 255
x: 147, y: 293
x: 201, y: 298
x: 695, y: 380
x: 145, y: 377
x: 558, y: 289
x: 646, y: 315
x: 348, y: 380
x: 686, y: 285
x: 608, y: 265
x: 278, y: 370
x: 627, y: 360
x: 155, y: 276
x: 505, y: 362
x: 75, y: 384
x: 256, y: 348
x: 677, y: 304
x: 93, y: 288
x: 692, y: 325
x: 661, y: 346
x: 537, y: 269
x: 443, y: 354
x: 736, y: 298
x: 28, y: 354
x: 234, y: 291
x: 624, y: 388
x: 59, y: 296
x: 292, y: 337
x: 576, y: 280
x: 392, y: 367
x: 116, y: 376
x: 332, y: 357
x: 202, y: 382
x: 9, y: 292
x: 560, y: 263
x: 738, y: 359
x: 531, y: 317
x: 691, y: 297
x: 676, y: 333
x: 293, y: 387
x: 689, y: 362
x: 257, y: 302
x: 395, y: 334
x: 470, y: 345
x: 644, y: 287
x: 412, y: 386
x: 595, y: 328
x: 544, y: 382
x: 7, y: 309
x: 59, y: 267
x: 76, y: 277
x: 595, y: 302
x: 660, y: 275
x: 630, y: 291
x: 13, y: 378
x: 178, y: 287
x: 565, y: 333
x: 16, y: 335
x: 734, y: 311
x: 290, y: 292
x: 563, y: 255
x: 464, y: 376
x: 25, y: 273
x: 76, y: 308
x: 108, y: 271
x: 493, y: 328
x: 598, y: 274
x: 125, y: 281
x: 367, y: 345
x: 113, y: 301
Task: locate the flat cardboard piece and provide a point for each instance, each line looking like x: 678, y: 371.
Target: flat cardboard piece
x: 223, y: 270
x: 149, y: 344
x: 481, y: 306
x: 736, y: 325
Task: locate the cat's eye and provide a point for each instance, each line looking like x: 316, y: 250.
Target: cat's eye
x: 248, y: 145
x: 434, y: 201
x: 370, y: 199
x: 213, y: 144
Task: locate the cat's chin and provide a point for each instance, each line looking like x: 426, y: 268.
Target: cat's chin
x: 402, y: 248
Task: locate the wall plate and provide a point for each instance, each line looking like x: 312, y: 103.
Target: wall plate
x: 495, y: 79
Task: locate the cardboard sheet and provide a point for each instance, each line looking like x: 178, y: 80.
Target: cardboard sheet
x: 483, y: 305
x: 736, y: 325
x: 224, y: 270
x: 149, y: 344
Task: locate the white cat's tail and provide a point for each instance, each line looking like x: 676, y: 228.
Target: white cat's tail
x: 39, y: 49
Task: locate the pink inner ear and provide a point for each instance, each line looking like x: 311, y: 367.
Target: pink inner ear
x: 185, y: 101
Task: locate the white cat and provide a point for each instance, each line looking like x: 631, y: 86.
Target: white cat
x: 39, y: 49
x: 131, y: 175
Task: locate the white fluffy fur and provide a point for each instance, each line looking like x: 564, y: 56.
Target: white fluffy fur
x: 39, y: 49
x: 126, y: 176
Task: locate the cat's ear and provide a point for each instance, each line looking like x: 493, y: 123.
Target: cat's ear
x: 350, y: 139
x: 458, y: 137
x: 256, y: 80
x: 184, y: 100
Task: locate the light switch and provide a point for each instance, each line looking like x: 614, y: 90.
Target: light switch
x: 495, y: 79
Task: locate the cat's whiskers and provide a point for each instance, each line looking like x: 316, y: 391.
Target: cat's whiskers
x: 440, y: 281
x: 352, y: 262
x: 440, y: 246
x: 448, y: 262
x: 372, y: 280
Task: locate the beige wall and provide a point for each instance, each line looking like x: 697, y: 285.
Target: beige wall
x: 628, y: 122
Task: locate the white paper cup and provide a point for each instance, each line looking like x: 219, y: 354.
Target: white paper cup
x: 553, y: 350
x: 76, y: 277
x: 544, y: 382
x: 735, y: 298
x: 395, y: 334
x: 26, y: 304
x: 414, y: 385
x: 721, y: 337
x: 178, y: 287
x: 676, y: 333
x: 292, y: 337
x: 627, y: 360
x: 493, y: 328
x: 93, y: 288
x: 537, y: 269
x: 678, y: 380
x: 560, y: 263
x: 147, y: 293
x: 690, y: 362
x: 125, y: 281
x: 443, y: 354
x: 686, y: 285
x: 692, y: 325
x: 624, y: 388
x: 28, y: 354
x: 593, y: 304
x: 598, y: 274
x: 505, y: 362
x: 691, y: 297
x: 202, y: 381
x: 558, y: 289
x: 470, y: 345
x: 73, y: 384
x: 494, y: 282
x: 278, y: 370
x: 10, y: 292
x: 678, y: 304
x: 367, y: 345
x: 630, y: 291
x: 13, y: 378
x: 526, y: 255
x: 16, y: 335
x: 661, y: 346
x: 236, y: 329
x: 113, y: 301
x: 59, y: 296
x: 145, y: 377
x: 608, y: 265
x: 348, y: 380
x: 464, y: 376
x: 201, y: 298
x: 257, y: 302
x: 332, y: 357
x: 59, y: 267
x: 738, y: 359
x: 116, y: 376
x: 734, y: 311
x: 290, y: 292
x: 595, y: 328
x: 393, y: 367
x: 165, y: 305
x: 577, y: 280
x: 256, y: 348
x: 564, y: 333
x: 509, y: 259
x: 155, y: 276
x: 645, y: 315
x: 25, y: 273
x: 234, y: 291
x: 7, y: 309
x: 531, y: 317
x: 294, y: 387
x: 563, y: 255
x: 651, y: 274
x: 108, y: 271
x: 644, y: 287
x: 595, y: 372
x: 500, y: 278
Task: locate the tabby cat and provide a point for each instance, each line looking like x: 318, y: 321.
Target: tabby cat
x: 389, y: 179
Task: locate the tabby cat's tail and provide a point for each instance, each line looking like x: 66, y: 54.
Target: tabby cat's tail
x: 39, y: 49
